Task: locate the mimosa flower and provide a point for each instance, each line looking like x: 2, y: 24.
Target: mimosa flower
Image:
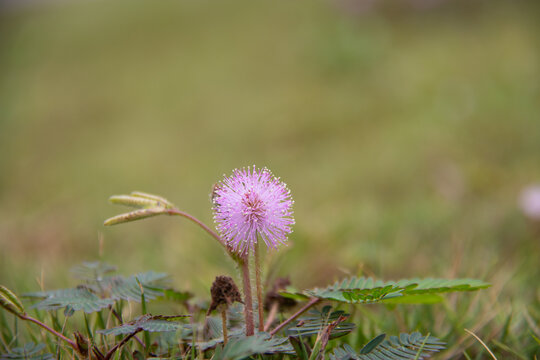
x: 251, y: 203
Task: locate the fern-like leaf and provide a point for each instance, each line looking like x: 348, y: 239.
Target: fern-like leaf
x: 152, y: 283
x: 149, y: 323
x: 366, y: 290
x: 402, y: 347
x: 316, y: 320
x: 29, y: 351
x: 261, y: 343
x: 100, y: 292
x: 80, y: 298
x: 358, y: 290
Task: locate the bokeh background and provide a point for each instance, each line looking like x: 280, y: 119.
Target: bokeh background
x: 406, y: 131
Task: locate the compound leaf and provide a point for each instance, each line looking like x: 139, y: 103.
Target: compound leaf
x: 357, y: 290
x: 29, y: 351
x: 149, y: 323
x: 367, y: 290
x: 120, y: 287
x: 261, y: 343
x: 316, y: 320
x: 80, y: 298
x: 406, y: 346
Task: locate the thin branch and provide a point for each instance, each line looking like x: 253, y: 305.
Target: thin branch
x: 52, y: 331
x: 311, y: 302
x: 120, y: 344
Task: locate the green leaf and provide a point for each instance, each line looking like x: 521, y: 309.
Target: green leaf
x: 261, y: 343
x: 99, y: 292
x: 175, y: 295
x: 292, y: 293
x: 406, y: 346
x: 316, y: 320
x: 366, y: 290
x: 10, y: 301
x: 149, y: 323
x: 152, y: 283
x: 372, y: 344
x: 357, y: 290
x: 29, y: 351
x: 80, y: 298
x: 415, y: 299
x: 423, y: 286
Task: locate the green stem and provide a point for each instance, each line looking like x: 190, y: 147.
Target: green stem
x: 248, y: 300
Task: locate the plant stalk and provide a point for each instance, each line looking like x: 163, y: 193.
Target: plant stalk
x: 224, y: 325
x: 248, y: 300
x: 259, y: 286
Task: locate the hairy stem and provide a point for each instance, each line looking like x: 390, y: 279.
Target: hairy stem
x: 49, y: 329
x: 311, y: 302
x: 248, y: 300
x: 259, y: 287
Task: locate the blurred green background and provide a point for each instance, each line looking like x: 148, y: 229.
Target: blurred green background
x: 405, y: 131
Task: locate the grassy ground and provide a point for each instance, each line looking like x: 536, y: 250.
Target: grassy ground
x: 405, y: 137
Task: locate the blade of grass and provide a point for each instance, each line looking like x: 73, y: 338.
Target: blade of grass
x: 481, y: 342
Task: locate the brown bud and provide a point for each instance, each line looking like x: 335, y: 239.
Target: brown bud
x: 224, y: 292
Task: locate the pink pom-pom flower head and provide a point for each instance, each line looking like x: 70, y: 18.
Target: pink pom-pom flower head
x: 251, y: 203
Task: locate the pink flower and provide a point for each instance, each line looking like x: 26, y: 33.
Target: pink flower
x: 251, y: 203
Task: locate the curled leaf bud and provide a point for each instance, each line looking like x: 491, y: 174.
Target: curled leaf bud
x: 10, y: 301
x: 224, y: 292
x: 147, y: 204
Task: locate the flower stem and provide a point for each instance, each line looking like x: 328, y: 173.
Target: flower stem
x: 248, y: 300
x: 259, y: 287
x: 224, y: 325
x: 311, y: 302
